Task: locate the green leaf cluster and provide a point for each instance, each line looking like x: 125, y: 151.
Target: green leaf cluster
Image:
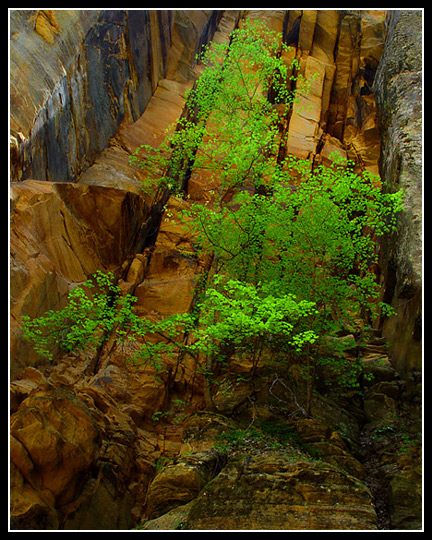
x: 244, y: 316
x: 231, y: 127
x: 93, y: 311
x: 313, y: 237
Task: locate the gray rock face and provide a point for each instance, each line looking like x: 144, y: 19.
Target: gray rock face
x: 398, y: 94
x: 94, y: 70
x: 95, y: 86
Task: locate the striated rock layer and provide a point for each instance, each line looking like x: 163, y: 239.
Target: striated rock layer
x: 105, y: 66
x: 398, y: 92
x: 85, y: 452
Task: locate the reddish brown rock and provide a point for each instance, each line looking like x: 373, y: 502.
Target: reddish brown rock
x: 77, y: 461
x: 55, y: 440
x: 62, y: 233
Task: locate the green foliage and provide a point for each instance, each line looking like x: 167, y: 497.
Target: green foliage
x: 246, y: 318
x: 241, y: 128
x: 244, y: 440
x: 264, y: 435
x: 231, y: 314
x: 231, y: 127
x: 293, y: 246
x: 161, y: 340
x: 314, y: 239
x: 94, y: 310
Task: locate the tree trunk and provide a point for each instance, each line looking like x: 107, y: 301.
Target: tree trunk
x: 208, y: 382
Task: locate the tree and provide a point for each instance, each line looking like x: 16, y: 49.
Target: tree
x: 231, y: 127
x: 293, y: 246
x: 277, y: 227
x: 315, y: 240
x: 94, y: 311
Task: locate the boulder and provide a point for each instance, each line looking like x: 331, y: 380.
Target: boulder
x: 322, y: 442
x: 276, y: 491
x: 77, y: 461
x: 55, y: 441
x: 181, y: 481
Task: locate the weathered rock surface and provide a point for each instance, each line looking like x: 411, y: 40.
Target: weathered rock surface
x: 340, y: 49
x: 398, y: 91
x: 64, y: 476
x: 75, y: 230
x: 61, y: 233
x: 180, y: 482
x: 256, y: 486
x: 35, y: 36
x: 75, y: 461
x: 286, y: 493
x: 111, y: 167
x: 106, y: 65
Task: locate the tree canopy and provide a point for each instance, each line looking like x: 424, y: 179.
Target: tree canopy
x: 293, y: 245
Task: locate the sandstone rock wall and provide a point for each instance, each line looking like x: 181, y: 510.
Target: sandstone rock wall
x: 105, y: 66
x: 341, y: 50
x: 67, y: 470
x: 398, y: 91
x: 61, y: 233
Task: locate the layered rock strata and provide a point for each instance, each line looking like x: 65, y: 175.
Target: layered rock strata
x: 106, y: 66
x: 398, y: 92
x: 61, y: 233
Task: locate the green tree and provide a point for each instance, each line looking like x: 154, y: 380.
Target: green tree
x: 315, y: 239
x: 94, y: 311
x: 277, y: 227
x: 231, y: 127
x: 293, y: 247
